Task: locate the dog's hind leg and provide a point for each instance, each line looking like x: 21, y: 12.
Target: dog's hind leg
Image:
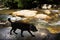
x: 14, y: 31
x: 22, y: 33
x: 11, y: 31
x: 31, y: 33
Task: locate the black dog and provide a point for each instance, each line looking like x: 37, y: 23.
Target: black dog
x: 57, y: 36
x: 23, y: 26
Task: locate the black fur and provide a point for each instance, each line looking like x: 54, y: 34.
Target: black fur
x: 23, y: 26
x: 57, y: 36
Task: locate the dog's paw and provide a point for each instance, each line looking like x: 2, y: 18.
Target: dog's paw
x: 22, y: 36
x: 33, y: 35
x: 16, y: 33
x: 10, y: 33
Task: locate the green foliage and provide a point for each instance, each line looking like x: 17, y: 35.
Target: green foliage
x: 27, y: 3
x: 20, y: 5
x: 2, y: 18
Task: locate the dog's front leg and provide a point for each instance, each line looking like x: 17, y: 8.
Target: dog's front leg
x: 22, y: 33
x: 31, y: 33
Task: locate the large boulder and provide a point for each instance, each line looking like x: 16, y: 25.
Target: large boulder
x: 43, y: 16
x: 25, y: 13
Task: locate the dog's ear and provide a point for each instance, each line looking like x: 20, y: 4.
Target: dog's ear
x: 33, y: 28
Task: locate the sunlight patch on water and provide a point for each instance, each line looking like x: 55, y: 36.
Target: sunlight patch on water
x: 55, y: 24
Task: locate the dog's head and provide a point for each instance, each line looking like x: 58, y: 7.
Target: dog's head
x: 33, y: 28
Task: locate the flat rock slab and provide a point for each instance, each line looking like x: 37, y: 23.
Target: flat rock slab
x: 39, y: 35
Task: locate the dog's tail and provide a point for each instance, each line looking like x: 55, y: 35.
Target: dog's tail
x: 9, y: 19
